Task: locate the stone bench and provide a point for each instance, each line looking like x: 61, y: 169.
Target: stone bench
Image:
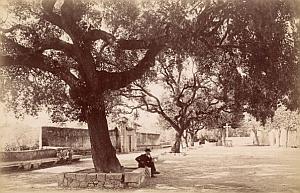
x: 88, y: 179
x: 155, y: 158
x: 137, y: 177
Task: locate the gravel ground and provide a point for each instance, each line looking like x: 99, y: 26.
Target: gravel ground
x: 206, y: 169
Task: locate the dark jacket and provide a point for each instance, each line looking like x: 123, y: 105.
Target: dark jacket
x: 144, y: 160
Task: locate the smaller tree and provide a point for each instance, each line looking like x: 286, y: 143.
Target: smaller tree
x: 284, y: 120
x: 182, y: 89
x: 252, y: 125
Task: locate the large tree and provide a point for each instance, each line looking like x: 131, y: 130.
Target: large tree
x: 182, y: 87
x: 68, y: 56
x: 191, y: 97
x: 57, y: 54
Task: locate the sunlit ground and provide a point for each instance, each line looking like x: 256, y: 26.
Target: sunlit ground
x: 207, y: 169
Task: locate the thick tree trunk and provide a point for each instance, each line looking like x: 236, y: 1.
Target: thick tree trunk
x: 103, y: 152
x: 186, y: 140
x: 287, y: 138
x: 223, y: 136
x: 279, y: 136
x: 192, y: 138
x: 256, y: 137
x: 176, y: 146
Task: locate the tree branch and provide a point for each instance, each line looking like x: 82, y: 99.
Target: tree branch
x: 98, y: 34
x: 169, y: 78
x: 15, y: 27
x: 135, y: 44
x: 160, y: 110
x: 54, y: 19
x: 37, y: 60
x: 66, y: 21
x: 57, y: 44
x: 117, y: 80
x: 131, y: 44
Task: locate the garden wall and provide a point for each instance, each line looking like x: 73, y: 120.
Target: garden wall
x: 149, y: 140
x: 27, y: 155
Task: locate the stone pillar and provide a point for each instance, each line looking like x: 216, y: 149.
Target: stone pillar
x: 227, y: 130
x: 122, y: 136
x: 227, y: 133
x: 118, y: 139
x: 124, y: 141
x: 121, y: 143
x: 134, y: 139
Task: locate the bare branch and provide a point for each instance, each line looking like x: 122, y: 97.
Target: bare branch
x: 130, y: 107
x: 150, y: 95
x: 169, y: 78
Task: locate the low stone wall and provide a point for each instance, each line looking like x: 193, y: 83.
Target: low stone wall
x: 90, y: 179
x: 143, y: 147
x: 241, y: 141
x: 147, y: 140
x: 27, y: 155
x: 34, y: 159
x: 210, y: 144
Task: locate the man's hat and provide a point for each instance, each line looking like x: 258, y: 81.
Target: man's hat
x: 148, y: 149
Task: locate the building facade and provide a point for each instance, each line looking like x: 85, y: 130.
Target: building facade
x: 125, y: 137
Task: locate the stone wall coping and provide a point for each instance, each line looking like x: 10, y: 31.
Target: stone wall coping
x: 138, y: 170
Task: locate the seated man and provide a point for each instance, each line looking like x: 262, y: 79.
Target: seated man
x: 146, y: 160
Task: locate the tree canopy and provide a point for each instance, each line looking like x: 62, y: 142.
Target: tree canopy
x: 70, y: 56
x: 260, y: 34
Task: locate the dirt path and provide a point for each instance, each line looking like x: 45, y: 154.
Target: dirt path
x: 209, y: 169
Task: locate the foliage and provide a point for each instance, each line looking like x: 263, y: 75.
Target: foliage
x: 258, y: 38
x: 251, y: 123
x: 71, y: 56
x: 284, y: 119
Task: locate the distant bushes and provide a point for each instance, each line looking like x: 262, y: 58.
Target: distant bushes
x: 14, y: 147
